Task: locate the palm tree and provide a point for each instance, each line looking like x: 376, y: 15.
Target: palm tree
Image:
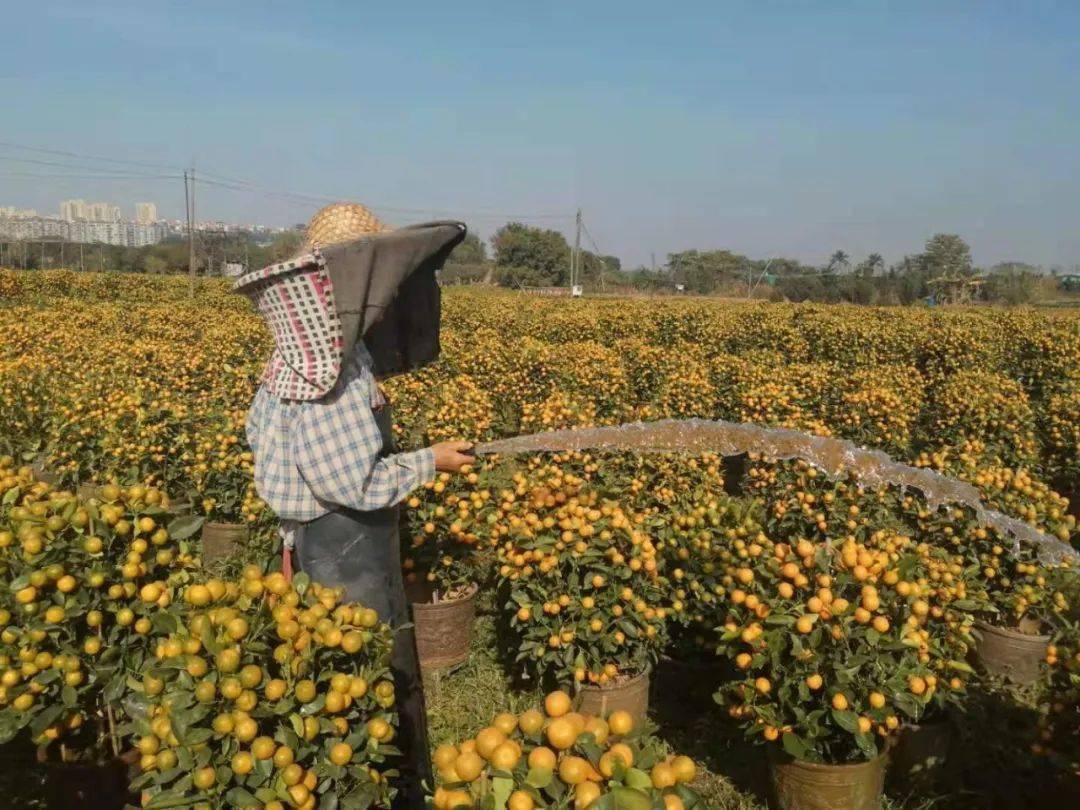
x: 838, y: 261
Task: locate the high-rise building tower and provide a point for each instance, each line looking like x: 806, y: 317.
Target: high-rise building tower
x: 146, y: 212
x: 74, y: 210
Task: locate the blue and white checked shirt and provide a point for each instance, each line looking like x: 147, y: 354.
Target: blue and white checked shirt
x: 313, y: 456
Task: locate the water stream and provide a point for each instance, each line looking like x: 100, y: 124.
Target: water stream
x: 834, y: 457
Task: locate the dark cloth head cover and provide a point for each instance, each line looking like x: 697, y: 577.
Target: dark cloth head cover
x: 380, y: 288
x: 386, y: 292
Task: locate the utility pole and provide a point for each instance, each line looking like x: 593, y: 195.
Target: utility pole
x: 575, y: 266
x: 189, y: 205
x: 82, y: 267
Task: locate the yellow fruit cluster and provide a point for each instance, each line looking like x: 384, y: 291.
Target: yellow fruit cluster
x: 544, y: 756
x: 80, y: 585
x: 267, y: 689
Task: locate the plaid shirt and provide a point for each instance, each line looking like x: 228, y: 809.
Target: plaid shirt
x: 313, y: 456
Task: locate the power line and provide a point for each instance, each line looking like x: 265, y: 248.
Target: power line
x: 69, y: 176
x: 227, y: 182
x: 64, y: 153
x: 592, y: 241
x: 233, y: 184
x: 53, y: 163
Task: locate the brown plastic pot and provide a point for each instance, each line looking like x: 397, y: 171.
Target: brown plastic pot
x: 1009, y: 653
x: 920, y: 752
x: 444, y: 630
x: 631, y: 695
x: 87, y: 491
x: 221, y: 540
x: 44, y: 475
x: 800, y: 785
x: 87, y: 785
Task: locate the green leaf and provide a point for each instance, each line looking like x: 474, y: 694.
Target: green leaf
x: 966, y: 604
x: 238, y: 797
x: 779, y: 620
x: 866, y: 745
x: 908, y: 704
x: 502, y: 787
x: 794, y: 745
x: 631, y: 799
x: 185, y: 526
x: 539, y: 779
x: 847, y: 720
x: 45, y: 718
x: 301, y: 582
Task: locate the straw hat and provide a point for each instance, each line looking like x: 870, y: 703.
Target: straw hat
x: 342, y: 222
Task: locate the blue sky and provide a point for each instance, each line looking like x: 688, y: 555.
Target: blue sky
x: 767, y: 128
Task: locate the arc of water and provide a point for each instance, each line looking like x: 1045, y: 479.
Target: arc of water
x: 834, y: 457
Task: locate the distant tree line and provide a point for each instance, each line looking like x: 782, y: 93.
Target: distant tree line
x: 527, y: 256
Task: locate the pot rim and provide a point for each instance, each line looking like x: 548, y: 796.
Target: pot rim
x: 781, y: 757
x: 984, y: 626
x: 473, y: 592
x: 226, y: 524
x: 633, y: 681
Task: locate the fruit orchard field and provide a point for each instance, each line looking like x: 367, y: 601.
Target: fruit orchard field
x: 828, y: 618
x: 112, y: 376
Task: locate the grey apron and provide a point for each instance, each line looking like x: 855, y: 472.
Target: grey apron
x: 361, y: 552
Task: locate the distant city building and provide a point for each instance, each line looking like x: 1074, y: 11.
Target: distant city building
x: 73, y: 210
x: 82, y: 211
x: 99, y: 222
x: 17, y: 213
x: 129, y: 234
x: 146, y: 212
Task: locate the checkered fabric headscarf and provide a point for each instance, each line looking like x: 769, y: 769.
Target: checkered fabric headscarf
x: 296, y: 299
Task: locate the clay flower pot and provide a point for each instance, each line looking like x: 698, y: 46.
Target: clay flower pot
x: 221, y: 540
x: 800, y: 785
x: 631, y: 695
x: 444, y: 630
x: 1010, y: 653
x: 86, y: 492
x: 919, y: 754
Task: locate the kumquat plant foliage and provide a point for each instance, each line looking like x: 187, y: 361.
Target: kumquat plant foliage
x: 84, y: 586
x: 829, y: 619
x: 266, y: 693
x: 555, y: 757
x: 581, y: 578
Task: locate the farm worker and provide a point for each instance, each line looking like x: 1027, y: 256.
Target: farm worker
x: 361, y: 303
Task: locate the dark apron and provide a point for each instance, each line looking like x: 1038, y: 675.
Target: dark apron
x: 361, y: 552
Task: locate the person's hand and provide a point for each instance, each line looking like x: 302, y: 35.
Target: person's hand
x: 451, y: 456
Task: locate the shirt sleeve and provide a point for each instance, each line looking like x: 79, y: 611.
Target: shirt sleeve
x: 336, y: 445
